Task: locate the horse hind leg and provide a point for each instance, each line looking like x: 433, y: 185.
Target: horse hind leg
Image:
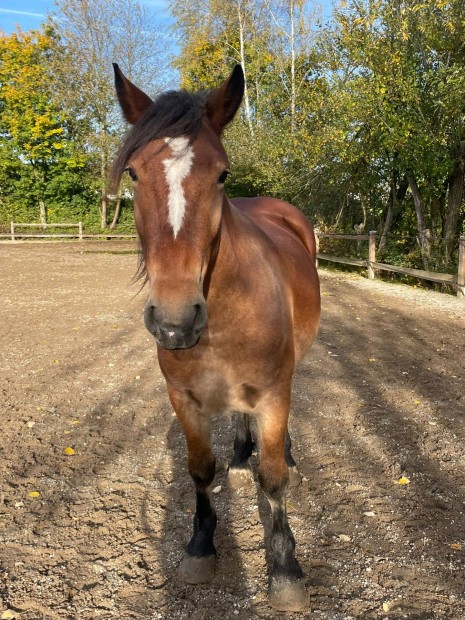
x: 295, y: 478
x: 239, y: 471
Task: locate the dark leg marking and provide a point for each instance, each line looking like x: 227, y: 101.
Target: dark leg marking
x: 240, y: 473
x: 198, y: 564
x: 201, y: 543
x: 294, y: 477
x: 287, y: 587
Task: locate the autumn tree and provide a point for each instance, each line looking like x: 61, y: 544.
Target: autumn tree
x: 39, y: 140
x: 97, y: 33
x: 401, y: 65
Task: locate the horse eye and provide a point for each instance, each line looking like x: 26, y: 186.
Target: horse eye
x: 132, y: 173
x: 223, y: 176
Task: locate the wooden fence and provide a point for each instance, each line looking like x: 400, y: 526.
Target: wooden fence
x: 16, y: 234
x: 370, y: 263
x: 457, y: 281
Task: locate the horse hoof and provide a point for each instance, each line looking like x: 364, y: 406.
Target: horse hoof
x: 240, y: 477
x: 295, y: 479
x: 288, y: 595
x: 197, y: 570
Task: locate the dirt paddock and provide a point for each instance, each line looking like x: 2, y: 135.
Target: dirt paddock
x: 98, y: 533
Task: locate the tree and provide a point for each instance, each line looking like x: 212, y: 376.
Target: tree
x: 268, y: 41
x: 398, y: 66
x: 359, y: 124
x: 38, y: 138
x: 97, y: 33
x: 291, y: 46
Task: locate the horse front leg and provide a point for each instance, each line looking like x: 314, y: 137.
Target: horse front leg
x: 287, y: 588
x: 198, y: 564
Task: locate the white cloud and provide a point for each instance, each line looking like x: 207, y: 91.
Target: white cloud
x: 27, y: 13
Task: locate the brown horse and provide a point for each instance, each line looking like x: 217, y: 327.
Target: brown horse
x: 233, y: 303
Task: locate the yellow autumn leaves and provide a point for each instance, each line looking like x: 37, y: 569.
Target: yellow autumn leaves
x: 68, y: 451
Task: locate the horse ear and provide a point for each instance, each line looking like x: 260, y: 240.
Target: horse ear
x: 223, y: 102
x: 132, y: 100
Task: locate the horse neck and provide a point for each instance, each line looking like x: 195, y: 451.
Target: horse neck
x: 228, y: 264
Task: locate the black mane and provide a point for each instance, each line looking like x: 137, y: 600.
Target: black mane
x: 172, y: 115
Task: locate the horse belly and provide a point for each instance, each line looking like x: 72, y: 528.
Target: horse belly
x: 306, y: 301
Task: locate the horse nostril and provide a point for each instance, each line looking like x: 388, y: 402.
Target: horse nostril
x: 150, y: 318
x: 200, y: 317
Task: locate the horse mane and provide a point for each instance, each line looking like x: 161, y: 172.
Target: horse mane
x: 173, y: 114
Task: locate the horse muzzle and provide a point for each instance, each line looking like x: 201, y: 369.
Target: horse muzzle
x: 176, y: 330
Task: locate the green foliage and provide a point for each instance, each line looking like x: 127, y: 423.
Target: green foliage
x: 337, y: 122
x: 359, y: 122
x: 40, y: 158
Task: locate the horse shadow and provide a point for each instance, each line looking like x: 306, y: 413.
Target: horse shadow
x: 235, y: 589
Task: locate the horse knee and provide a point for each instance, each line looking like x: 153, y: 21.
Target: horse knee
x: 202, y: 469
x: 274, y: 479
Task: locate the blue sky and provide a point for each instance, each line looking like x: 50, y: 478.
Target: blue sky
x: 30, y: 13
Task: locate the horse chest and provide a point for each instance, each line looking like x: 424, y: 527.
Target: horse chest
x: 214, y: 393
x: 219, y: 386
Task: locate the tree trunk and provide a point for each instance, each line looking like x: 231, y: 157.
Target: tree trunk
x: 103, y: 210
x: 396, y: 195
x: 292, y: 34
x: 339, y: 214
x: 438, y: 211
x: 241, y: 23
x: 42, y: 213
x: 424, y: 233
x: 103, y: 191
x: 359, y: 228
x: 117, y: 212
x: 454, y: 203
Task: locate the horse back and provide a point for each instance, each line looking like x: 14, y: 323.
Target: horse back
x: 274, y: 216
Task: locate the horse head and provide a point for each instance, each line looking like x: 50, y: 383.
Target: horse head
x: 174, y: 156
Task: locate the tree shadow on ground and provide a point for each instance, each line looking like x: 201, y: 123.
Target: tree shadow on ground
x: 374, y: 403
x: 379, y: 396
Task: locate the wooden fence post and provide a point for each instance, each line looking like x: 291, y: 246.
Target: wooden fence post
x: 371, y: 254
x: 461, y: 268
x: 317, y: 248
x: 12, y: 231
x: 80, y: 231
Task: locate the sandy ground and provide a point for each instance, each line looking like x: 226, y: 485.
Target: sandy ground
x: 380, y: 399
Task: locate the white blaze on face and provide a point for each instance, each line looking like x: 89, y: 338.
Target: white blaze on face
x: 177, y: 169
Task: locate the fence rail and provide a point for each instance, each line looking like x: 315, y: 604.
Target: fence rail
x: 370, y: 263
x: 14, y: 234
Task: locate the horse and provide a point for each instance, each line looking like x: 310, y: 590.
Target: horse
x: 233, y: 303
